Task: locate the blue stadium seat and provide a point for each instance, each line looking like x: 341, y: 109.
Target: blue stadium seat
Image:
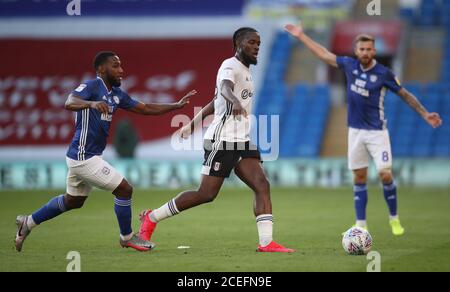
x: 414, y: 87
x: 421, y: 151
x: 441, y: 150
x: 303, y: 109
x: 401, y: 151
x: 407, y: 14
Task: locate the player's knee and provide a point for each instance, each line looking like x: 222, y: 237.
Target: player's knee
x: 208, y: 196
x: 74, y: 202
x: 124, y: 190
x: 360, y: 178
x: 386, y: 176
x: 127, y: 192
x: 360, y: 181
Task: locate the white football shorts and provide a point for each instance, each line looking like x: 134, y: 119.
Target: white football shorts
x: 93, y: 172
x: 363, y: 144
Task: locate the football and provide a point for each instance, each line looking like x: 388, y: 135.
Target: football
x: 357, y: 241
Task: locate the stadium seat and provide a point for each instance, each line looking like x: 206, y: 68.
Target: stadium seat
x: 306, y: 113
x: 441, y: 150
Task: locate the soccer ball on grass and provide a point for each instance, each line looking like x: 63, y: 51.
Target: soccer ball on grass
x: 357, y: 241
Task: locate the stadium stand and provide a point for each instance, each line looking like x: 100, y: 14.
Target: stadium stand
x: 303, y: 109
x: 410, y: 136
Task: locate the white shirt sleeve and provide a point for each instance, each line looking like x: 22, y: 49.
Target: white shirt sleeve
x: 227, y: 73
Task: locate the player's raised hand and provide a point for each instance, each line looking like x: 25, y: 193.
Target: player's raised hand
x: 434, y: 120
x: 185, y: 99
x: 294, y: 30
x: 101, y: 106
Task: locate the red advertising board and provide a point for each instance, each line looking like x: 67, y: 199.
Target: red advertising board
x: 37, y: 75
x: 387, y: 34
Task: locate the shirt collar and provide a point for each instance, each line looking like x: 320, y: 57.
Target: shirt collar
x: 374, y: 63
x: 106, y: 87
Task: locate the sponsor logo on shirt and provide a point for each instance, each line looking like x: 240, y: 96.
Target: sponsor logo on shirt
x: 105, y: 117
x: 116, y: 99
x: 359, y: 90
x: 80, y: 88
x: 359, y: 87
x: 360, y: 83
x: 246, y: 94
x: 108, y: 117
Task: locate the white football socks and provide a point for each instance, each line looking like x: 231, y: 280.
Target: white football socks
x: 264, y: 223
x: 361, y: 223
x: 393, y: 217
x: 167, y: 210
x: 126, y: 237
x: 30, y: 223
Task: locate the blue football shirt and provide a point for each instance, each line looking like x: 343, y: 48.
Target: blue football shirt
x: 91, y: 126
x: 366, y: 90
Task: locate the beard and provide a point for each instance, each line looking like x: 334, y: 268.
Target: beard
x: 366, y: 61
x: 114, y: 81
x: 249, y: 59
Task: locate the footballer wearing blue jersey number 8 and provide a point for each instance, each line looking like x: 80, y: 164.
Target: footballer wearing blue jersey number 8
x: 367, y: 83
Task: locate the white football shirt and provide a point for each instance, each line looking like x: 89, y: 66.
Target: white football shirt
x: 225, y: 127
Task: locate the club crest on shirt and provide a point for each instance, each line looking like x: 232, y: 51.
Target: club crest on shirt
x: 373, y: 78
x: 217, y: 166
x: 106, y: 170
x: 116, y: 99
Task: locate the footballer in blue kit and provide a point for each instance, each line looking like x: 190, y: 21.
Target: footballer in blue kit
x: 367, y: 84
x: 92, y: 126
x: 95, y: 102
x: 366, y: 90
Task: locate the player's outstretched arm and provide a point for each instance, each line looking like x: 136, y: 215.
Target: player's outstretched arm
x: 155, y: 109
x: 206, y: 111
x: 433, y: 119
x: 74, y: 103
x: 321, y: 52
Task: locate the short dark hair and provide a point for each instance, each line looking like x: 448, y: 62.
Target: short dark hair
x: 364, y: 38
x: 240, y: 33
x: 102, y: 57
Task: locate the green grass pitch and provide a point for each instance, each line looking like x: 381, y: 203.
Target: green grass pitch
x: 222, y: 235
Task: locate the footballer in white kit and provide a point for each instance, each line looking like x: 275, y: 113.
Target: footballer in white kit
x: 228, y: 132
x: 367, y: 83
x: 227, y: 146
